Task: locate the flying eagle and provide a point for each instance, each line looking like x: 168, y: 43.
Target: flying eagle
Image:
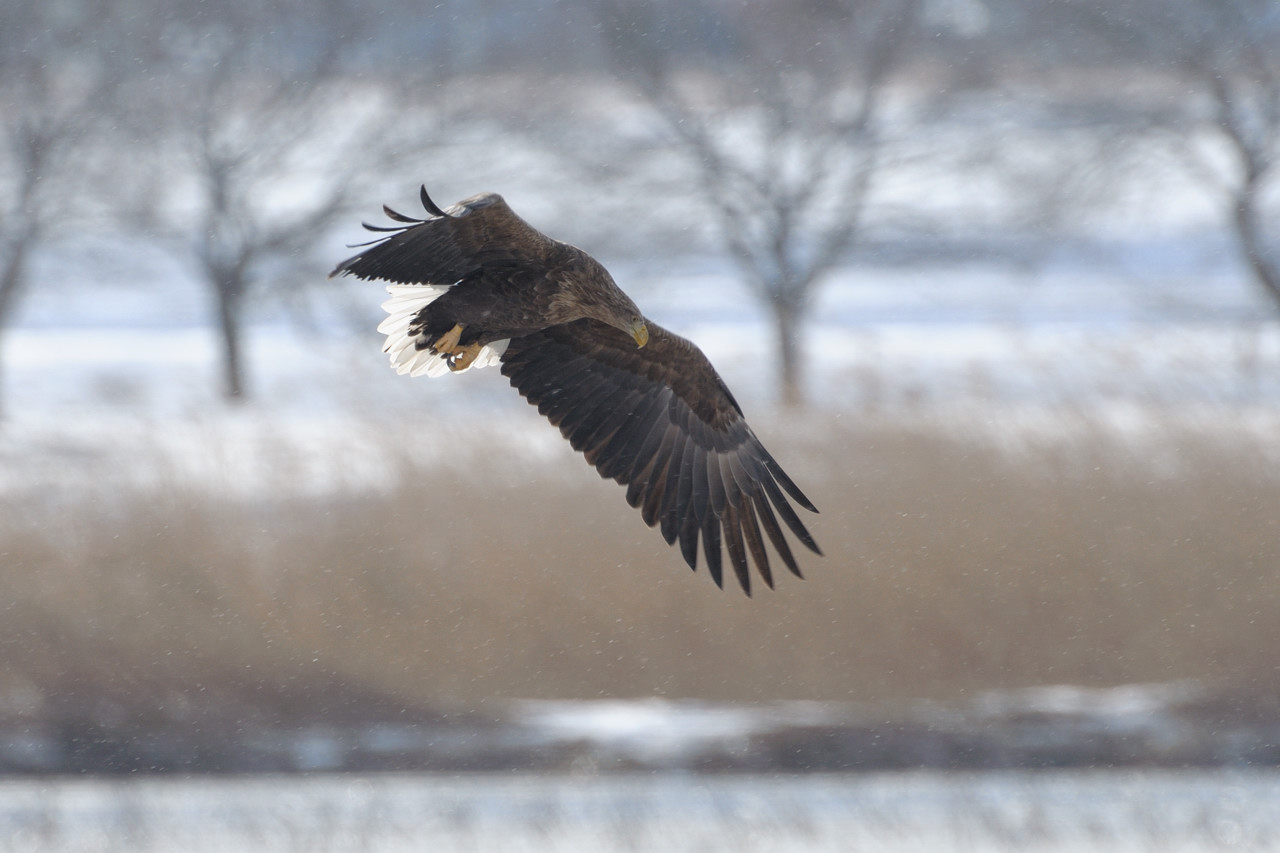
x: 475, y: 285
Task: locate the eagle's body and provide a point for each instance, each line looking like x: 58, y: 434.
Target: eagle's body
x: 476, y: 286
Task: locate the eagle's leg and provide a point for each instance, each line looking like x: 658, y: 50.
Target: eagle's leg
x: 464, y: 355
x: 447, y: 344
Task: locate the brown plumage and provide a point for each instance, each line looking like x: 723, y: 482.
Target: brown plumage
x: 476, y: 285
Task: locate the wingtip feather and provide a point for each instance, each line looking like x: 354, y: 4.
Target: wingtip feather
x: 429, y: 205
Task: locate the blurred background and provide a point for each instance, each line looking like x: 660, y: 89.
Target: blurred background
x: 997, y: 282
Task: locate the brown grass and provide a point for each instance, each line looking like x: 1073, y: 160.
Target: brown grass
x: 950, y: 567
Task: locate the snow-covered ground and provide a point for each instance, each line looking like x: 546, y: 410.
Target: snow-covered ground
x: 678, y: 734
x: 1060, y: 812
x: 118, y: 378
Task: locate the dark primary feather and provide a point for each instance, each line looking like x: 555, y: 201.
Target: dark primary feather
x: 429, y: 205
x: 660, y: 421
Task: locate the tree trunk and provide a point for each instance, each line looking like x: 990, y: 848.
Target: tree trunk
x: 229, y: 295
x: 790, y: 379
x: 11, y: 279
x: 1253, y: 242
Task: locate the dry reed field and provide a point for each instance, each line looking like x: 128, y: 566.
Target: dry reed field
x: 953, y: 564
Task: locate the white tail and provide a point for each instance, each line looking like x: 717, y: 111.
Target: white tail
x: 405, y: 303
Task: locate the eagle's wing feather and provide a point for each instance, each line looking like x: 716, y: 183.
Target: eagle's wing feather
x: 660, y: 421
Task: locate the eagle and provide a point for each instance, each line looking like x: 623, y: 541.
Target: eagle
x: 476, y: 286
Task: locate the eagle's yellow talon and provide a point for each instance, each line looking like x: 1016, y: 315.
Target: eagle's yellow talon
x: 447, y: 343
x: 464, y: 356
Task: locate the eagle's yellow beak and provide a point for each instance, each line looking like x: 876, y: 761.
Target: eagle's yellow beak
x: 640, y: 332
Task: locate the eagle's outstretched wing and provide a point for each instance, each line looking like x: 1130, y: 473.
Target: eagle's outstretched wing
x: 660, y: 421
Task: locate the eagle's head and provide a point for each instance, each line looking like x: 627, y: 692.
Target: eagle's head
x: 597, y: 296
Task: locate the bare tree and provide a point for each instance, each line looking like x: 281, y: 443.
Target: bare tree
x: 1232, y: 53
x: 1222, y: 118
x: 260, y: 142
x: 56, y: 74
x: 780, y: 113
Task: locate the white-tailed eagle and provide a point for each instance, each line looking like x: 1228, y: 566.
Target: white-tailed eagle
x: 475, y: 285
